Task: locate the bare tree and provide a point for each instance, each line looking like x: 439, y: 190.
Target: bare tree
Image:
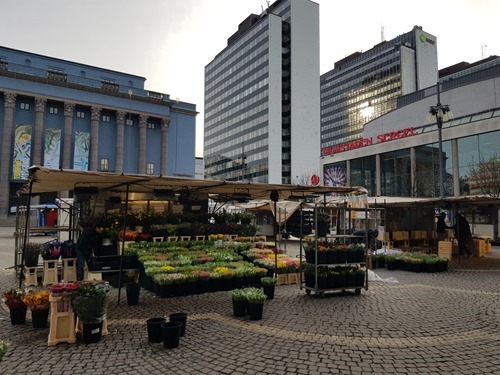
x: 484, y: 177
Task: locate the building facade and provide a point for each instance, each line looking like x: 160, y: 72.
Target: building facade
x: 363, y: 86
x: 62, y: 114
x: 398, y: 154
x: 262, y: 98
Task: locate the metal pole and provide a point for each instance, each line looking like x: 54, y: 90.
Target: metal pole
x: 439, y: 119
x: 122, y: 247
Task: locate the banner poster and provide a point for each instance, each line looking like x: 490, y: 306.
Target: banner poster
x: 22, y: 152
x: 81, y: 155
x: 52, y: 148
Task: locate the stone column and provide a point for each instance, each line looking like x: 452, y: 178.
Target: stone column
x: 143, y: 122
x: 6, y: 160
x: 378, y: 173
x: 69, y: 109
x: 94, y: 138
x: 165, y: 124
x: 37, y: 138
x: 120, y: 139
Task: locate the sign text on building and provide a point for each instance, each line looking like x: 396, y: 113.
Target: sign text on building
x: 359, y: 143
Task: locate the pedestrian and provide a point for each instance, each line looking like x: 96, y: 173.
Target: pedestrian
x: 88, y: 242
x: 463, y: 235
x: 441, y: 226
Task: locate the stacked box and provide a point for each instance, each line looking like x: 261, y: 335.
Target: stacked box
x: 445, y: 249
x: 479, y: 247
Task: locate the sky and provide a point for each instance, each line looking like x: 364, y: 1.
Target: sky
x: 169, y: 42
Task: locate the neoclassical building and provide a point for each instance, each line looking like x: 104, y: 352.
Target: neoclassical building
x: 62, y: 114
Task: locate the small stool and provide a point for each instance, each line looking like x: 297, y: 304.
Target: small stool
x: 30, y: 276
x: 69, y: 270
x: 91, y: 276
x: 200, y: 238
x: 157, y: 239
x: 50, y: 270
x: 62, y: 323
x: 185, y: 238
x: 172, y: 239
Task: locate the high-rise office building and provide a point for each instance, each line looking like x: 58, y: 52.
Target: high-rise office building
x: 262, y: 99
x: 364, y: 86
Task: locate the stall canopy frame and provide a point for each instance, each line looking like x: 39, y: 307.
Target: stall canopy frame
x: 48, y: 180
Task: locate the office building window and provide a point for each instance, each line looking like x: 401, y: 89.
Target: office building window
x: 80, y: 114
x: 53, y: 110
x: 150, y: 168
x: 24, y: 106
x: 151, y: 125
x: 106, y: 118
x: 104, y: 165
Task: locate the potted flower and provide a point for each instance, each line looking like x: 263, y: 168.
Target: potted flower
x: 268, y: 284
x: 90, y: 302
x: 13, y: 298
x: 32, y: 253
x: 3, y: 348
x: 239, y: 300
x: 38, y: 303
x: 51, y: 251
x: 255, y: 298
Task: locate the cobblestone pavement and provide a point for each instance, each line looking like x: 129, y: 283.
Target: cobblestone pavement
x: 440, y: 323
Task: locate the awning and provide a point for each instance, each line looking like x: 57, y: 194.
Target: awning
x: 45, y: 180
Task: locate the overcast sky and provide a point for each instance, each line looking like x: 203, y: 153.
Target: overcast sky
x: 169, y: 42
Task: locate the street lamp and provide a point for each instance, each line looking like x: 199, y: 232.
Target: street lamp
x: 442, y: 113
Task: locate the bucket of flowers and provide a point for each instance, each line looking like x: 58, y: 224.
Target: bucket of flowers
x: 51, y: 251
x: 90, y: 302
x: 13, y: 298
x: 38, y: 303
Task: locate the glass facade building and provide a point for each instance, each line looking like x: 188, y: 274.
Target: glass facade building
x: 364, y: 86
x: 262, y: 98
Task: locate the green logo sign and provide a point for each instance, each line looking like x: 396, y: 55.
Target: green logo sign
x: 423, y: 38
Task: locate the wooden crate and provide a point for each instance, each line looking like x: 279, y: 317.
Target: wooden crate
x: 445, y: 249
x: 479, y: 247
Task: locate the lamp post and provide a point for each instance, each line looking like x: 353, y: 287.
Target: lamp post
x: 442, y: 113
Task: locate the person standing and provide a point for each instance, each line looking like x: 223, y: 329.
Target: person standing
x: 441, y: 226
x: 87, y: 243
x: 464, y: 236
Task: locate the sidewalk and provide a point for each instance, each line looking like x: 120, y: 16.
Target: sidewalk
x: 439, y: 323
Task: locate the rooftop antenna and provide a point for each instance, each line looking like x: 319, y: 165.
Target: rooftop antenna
x: 382, y: 36
x: 483, y: 51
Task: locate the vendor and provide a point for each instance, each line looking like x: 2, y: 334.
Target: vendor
x: 88, y: 242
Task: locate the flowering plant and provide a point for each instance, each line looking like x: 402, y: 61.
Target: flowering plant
x: 90, y: 301
x: 13, y: 298
x: 51, y: 250
x: 37, y: 300
x: 68, y: 250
